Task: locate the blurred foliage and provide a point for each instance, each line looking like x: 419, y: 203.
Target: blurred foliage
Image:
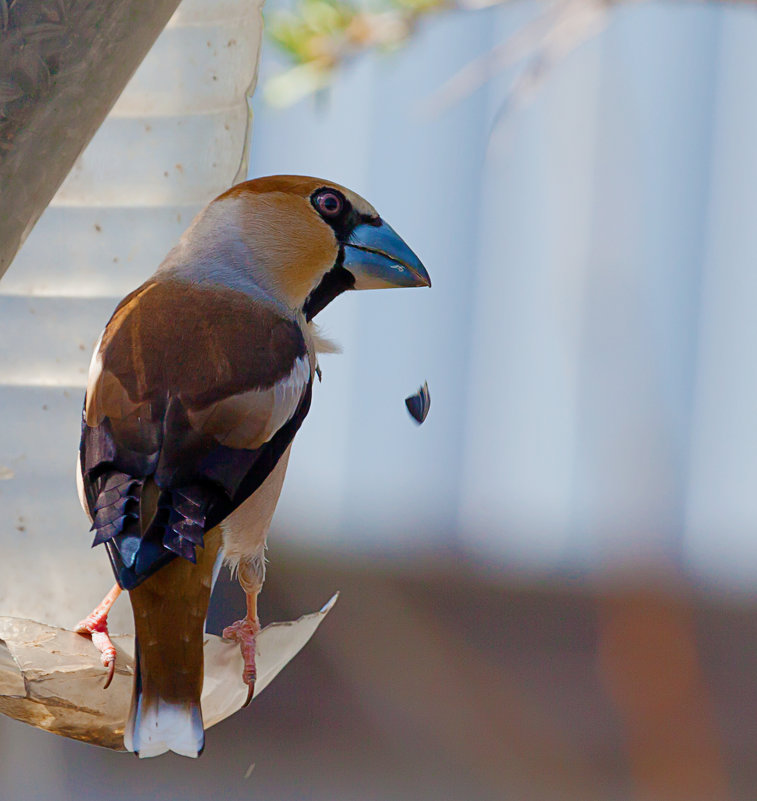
x: 320, y: 35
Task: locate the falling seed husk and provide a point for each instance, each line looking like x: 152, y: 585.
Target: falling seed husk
x: 419, y: 403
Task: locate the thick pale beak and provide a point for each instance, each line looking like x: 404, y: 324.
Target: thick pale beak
x: 379, y: 258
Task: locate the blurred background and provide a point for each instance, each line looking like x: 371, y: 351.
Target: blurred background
x: 548, y: 590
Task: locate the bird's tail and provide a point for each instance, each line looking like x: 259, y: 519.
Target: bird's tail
x: 169, y: 620
x: 157, y: 724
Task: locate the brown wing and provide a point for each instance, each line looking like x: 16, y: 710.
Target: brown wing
x: 194, y: 393
x: 199, y: 343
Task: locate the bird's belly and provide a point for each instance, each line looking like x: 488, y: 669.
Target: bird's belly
x: 245, y: 529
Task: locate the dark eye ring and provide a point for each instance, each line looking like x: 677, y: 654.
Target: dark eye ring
x: 330, y: 204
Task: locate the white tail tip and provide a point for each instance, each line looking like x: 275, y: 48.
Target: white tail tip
x: 156, y: 728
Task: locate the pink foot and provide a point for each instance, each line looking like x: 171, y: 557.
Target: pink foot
x: 96, y: 626
x: 243, y: 632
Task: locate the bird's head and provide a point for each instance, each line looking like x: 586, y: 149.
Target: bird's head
x: 306, y: 240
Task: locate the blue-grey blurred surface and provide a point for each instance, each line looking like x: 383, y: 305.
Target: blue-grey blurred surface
x: 588, y: 333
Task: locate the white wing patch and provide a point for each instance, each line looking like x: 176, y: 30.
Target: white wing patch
x: 249, y: 419
x: 288, y: 394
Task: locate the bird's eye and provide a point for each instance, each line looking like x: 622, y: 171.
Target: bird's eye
x: 330, y: 204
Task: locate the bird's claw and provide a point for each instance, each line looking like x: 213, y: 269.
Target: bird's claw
x: 243, y: 632
x: 111, y: 672
x: 96, y: 627
x: 250, y: 693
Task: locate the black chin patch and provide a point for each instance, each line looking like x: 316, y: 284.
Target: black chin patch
x: 333, y: 283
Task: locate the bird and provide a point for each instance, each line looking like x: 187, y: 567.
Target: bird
x: 196, y: 388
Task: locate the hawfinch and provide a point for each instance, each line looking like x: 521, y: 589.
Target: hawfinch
x: 197, y: 386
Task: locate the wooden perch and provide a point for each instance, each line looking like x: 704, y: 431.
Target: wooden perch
x: 52, y: 678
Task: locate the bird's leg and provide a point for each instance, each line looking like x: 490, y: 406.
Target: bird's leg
x: 251, y: 575
x: 96, y: 626
x: 244, y: 631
